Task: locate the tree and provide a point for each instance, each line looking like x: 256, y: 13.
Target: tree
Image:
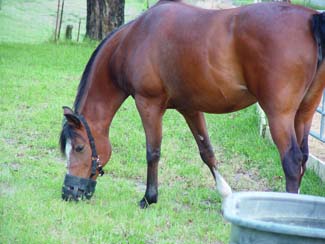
x: 103, y: 16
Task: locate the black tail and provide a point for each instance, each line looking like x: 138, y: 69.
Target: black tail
x: 318, y: 27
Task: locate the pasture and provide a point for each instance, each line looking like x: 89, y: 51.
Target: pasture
x: 36, y: 80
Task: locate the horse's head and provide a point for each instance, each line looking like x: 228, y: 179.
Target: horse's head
x: 83, y: 165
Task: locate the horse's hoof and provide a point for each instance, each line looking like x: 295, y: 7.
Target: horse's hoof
x: 143, y: 203
x: 222, y: 186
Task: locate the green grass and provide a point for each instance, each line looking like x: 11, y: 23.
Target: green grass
x: 242, y: 2
x: 309, y: 4
x: 36, y: 80
x: 306, y: 3
x: 33, y: 21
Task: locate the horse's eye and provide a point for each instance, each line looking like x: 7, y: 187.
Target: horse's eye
x: 79, y: 148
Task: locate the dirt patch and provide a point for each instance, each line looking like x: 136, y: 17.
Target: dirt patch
x: 240, y: 178
x: 6, y: 189
x: 15, y: 166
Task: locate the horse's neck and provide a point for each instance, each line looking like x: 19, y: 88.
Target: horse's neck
x: 103, y: 97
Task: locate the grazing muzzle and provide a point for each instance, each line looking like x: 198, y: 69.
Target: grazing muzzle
x: 76, y: 188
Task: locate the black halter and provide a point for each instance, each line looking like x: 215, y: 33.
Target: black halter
x: 95, y: 162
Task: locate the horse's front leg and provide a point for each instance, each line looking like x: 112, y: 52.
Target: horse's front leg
x: 196, y: 122
x: 151, y: 113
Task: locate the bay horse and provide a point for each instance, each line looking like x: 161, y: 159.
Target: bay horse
x: 177, y: 56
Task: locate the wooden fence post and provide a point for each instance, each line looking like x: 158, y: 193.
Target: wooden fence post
x: 61, y: 19
x: 78, y: 30
x: 57, y: 22
x: 68, y: 32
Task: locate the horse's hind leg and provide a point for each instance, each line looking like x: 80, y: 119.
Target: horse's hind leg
x: 302, y: 131
x: 284, y: 136
x: 151, y: 113
x: 305, y: 113
x: 303, y: 121
x: 196, y: 122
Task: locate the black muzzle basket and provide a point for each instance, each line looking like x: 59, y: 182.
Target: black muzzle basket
x: 77, y: 188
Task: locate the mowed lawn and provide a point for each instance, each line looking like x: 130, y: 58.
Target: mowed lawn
x: 36, y: 80
x: 34, y: 21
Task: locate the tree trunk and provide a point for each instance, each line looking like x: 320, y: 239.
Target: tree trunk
x: 103, y: 16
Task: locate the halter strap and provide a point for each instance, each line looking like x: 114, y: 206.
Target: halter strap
x: 95, y: 162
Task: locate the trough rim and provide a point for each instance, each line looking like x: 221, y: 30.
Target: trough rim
x: 229, y: 213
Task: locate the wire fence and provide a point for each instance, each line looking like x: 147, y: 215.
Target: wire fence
x: 319, y: 130
x: 34, y: 21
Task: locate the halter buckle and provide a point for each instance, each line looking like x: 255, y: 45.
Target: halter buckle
x: 99, y: 166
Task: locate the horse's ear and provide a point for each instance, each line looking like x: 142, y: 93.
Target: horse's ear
x: 71, y: 117
x: 67, y: 110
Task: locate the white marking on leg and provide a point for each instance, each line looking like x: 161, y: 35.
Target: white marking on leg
x: 222, y: 186
x: 68, y: 149
x: 201, y: 138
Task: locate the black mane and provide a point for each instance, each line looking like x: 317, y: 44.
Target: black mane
x: 84, y: 79
x: 68, y: 131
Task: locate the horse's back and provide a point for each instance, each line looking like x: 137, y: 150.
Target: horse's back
x: 215, y: 61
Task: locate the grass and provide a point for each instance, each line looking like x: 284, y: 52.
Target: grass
x: 306, y: 3
x: 242, y: 2
x: 33, y: 21
x: 309, y: 4
x: 36, y: 80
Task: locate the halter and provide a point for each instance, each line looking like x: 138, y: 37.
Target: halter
x: 75, y: 187
x: 95, y: 162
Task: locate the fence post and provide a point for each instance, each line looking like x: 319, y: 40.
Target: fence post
x: 61, y: 19
x: 68, y: 32
x: 57, y: 21
x: 78, y: 30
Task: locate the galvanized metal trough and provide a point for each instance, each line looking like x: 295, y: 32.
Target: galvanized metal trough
x: 275, y: 218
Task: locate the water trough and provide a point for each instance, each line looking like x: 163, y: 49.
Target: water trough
x: 275, y: 218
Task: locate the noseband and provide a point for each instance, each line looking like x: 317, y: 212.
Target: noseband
x: 75, y: 187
